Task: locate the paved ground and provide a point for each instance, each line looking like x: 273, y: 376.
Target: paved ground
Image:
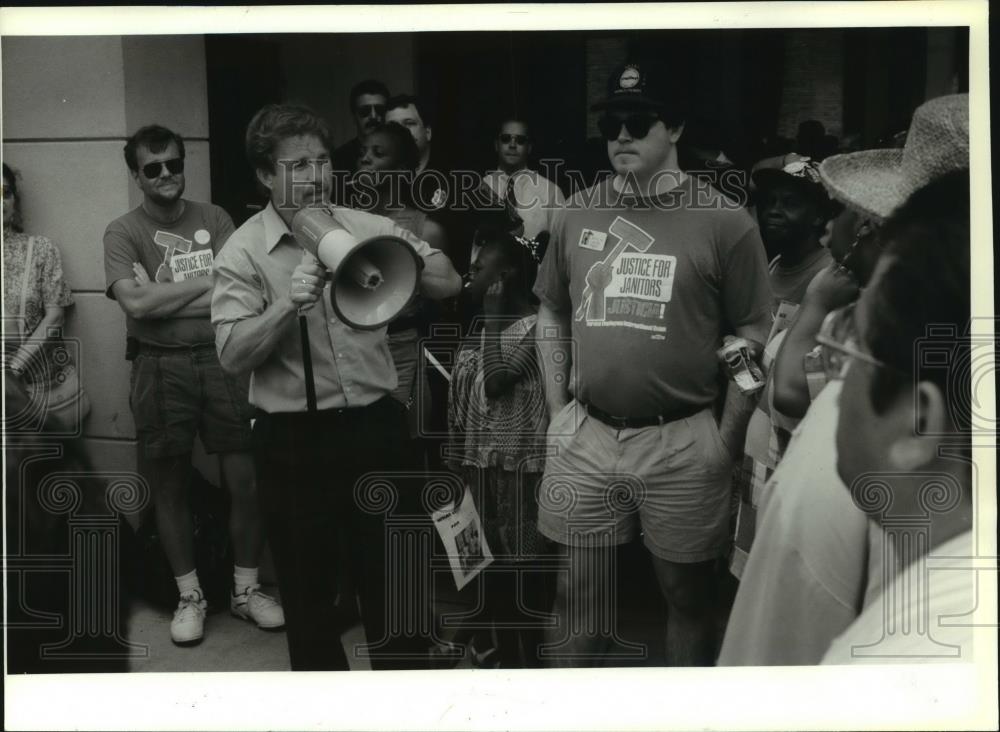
x: 231, y: 644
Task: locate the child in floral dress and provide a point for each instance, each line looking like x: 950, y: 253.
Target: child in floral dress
x: 497, y: 420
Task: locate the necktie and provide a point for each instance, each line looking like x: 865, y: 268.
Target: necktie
x: 510, y: 198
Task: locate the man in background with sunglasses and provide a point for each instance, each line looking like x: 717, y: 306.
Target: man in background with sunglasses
x: 533, y: 195
x: 647, y: 272
x: 158, y: 262
x: 367, y: 103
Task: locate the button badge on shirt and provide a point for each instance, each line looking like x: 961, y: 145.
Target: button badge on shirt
x: 594, y: 240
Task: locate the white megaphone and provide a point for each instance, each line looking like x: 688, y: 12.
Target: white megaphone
x: 373, y: 280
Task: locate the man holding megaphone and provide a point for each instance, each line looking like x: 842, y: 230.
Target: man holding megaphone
x: 322, y: 376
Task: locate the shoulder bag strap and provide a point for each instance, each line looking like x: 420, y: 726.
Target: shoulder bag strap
x: 25, y: 286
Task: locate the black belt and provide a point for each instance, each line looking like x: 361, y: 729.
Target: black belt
x: 632, y: 423
x: 148, y: 349
x: 331, y: 413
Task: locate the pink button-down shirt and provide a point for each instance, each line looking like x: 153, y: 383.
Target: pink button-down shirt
x: 351, y: 367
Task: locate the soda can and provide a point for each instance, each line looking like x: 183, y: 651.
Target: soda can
x: 735, y: 354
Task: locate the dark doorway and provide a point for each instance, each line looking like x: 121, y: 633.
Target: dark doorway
x: 244, y: 74
x: 733, y: 79
x: 471, y: 80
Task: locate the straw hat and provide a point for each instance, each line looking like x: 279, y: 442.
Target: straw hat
x: 875, y: 182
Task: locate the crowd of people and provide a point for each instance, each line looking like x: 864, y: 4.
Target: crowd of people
x: 588, y: 402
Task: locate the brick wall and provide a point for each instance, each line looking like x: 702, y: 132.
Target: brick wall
x: 813, y: 86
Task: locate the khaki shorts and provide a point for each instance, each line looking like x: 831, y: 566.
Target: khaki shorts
x: 603, y: 485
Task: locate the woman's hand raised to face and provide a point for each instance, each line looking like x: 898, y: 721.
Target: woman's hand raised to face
x: 493, y: 299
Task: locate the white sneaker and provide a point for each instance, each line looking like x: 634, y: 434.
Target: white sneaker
x: 188, y: 625
x: 254, y: 605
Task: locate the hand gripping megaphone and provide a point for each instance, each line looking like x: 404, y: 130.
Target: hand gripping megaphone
x: 373, y: 280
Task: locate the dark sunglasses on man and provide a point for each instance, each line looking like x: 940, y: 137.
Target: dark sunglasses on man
x: 506, y: 139
x: 173, y: 166
x: 637, y: 124
x: 371, y: 110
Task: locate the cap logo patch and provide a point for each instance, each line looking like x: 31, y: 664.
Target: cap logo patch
x: 629, y: 78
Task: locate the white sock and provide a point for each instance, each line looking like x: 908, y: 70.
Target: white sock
x: 188, y: 584
x: 243, y: 578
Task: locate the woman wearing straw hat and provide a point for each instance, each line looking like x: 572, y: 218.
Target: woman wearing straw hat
x: 815, y: 563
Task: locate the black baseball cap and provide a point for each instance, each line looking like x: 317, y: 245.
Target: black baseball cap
x: 633, y: 85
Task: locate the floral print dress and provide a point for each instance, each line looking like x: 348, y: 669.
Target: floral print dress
x: 503, y: 440
x: 45, y: 285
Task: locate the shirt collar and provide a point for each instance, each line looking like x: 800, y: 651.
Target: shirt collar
x: 520, y: 172
x: 275, y: 228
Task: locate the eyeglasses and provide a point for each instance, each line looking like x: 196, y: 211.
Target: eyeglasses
x: 519, y: 139
x: 369, y: 110
x: 838, y: 338
x: 173, y: 166
x: 637, y: 125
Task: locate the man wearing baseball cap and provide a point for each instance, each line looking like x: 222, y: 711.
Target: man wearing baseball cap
x: 793, y: 209
x: 642, y: 275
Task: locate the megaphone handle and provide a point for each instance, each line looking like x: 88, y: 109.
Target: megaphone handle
x: 307, y: 366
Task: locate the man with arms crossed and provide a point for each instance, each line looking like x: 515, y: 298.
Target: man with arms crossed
x: 158, y: 264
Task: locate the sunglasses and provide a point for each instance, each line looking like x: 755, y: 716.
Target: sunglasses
x: 636, y: 124
x: 173, y: 166
x: 368, y: 110
x: 839, y: 343
x: 519, y: 139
